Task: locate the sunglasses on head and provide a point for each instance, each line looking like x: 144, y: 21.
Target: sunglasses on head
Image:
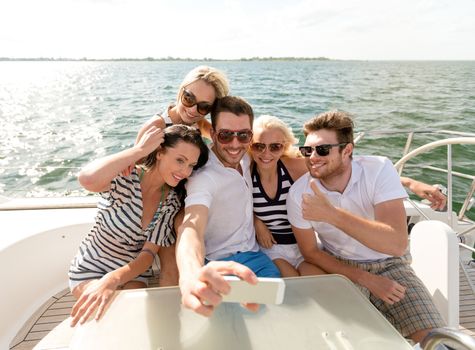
x: 322, y: 150
x: 260, y: 147
x: 226, y: 136
x: 188, y: 99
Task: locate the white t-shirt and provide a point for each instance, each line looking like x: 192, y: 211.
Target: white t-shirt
x: 373, y: 180
x: 228, y: 196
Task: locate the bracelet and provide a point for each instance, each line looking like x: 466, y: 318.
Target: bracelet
x: 148, y: 251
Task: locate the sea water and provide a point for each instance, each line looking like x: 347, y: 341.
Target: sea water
x: 57, y: 115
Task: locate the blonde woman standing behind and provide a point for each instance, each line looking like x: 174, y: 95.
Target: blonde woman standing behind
x: 195, y: 98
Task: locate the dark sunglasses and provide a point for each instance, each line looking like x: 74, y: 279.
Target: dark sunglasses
x: 188, y: 99
x: 322, y: 150
x: 226, y: 136
x: 261, y: 147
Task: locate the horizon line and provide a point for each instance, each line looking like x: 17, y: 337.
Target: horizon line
x: 206, y: 59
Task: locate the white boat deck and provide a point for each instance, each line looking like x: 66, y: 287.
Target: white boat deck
x: 57, y: 309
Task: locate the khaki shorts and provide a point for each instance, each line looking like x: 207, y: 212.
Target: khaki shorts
x: 416, y: 311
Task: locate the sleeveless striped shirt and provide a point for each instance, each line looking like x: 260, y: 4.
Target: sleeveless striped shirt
x: 273, y: 212
x: 117, y: 236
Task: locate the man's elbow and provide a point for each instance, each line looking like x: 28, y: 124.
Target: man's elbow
x: 309, y: 254
x: 400, y: 247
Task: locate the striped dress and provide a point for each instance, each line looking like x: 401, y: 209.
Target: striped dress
x: 273, y: 212
x: 117, y: 235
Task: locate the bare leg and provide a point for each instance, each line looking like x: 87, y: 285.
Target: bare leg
x: 168, y: 267
x: 286, y: 270
x: 307, y: 269
x: 134, y: 285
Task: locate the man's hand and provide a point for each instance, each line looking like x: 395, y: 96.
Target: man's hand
x: 202, y: 293
x: 436, y: 198
x: 384, y: 288
x: 316, y: 207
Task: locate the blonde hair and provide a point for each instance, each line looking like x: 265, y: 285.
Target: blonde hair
x: 266, y: 122
x: 209, y: 75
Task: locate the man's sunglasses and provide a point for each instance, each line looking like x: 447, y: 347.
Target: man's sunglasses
x: 226, y: 136
x: 322, y: 150
x: 188, y: 99
x: 261, y: 147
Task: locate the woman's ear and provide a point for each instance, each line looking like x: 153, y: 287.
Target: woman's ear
x: 160, y: 152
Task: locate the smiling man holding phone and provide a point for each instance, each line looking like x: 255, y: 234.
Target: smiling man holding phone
x: 218, y: 227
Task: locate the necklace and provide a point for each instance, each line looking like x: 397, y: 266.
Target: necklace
x: 162, y: 197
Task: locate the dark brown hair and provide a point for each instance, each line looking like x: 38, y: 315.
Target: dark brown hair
x: 173, y: 135
x: 233, y: 104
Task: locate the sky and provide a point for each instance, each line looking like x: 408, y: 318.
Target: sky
x: 232, y: 29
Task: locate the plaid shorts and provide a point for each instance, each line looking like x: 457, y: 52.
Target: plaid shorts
x: 416, y: 311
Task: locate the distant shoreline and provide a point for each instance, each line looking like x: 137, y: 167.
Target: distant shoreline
x: 152, y: 59
x: 207, y: 59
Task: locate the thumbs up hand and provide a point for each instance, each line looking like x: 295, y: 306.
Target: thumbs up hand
x: 316, y: 206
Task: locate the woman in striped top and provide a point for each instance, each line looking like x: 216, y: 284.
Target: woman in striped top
x: 135, y: 217
x: 276, y: 166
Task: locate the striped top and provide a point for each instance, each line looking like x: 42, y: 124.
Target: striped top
x: 117, y: 236
x: 273, y: 212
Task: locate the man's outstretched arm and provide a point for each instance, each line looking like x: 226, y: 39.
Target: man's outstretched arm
x: 202, y: 286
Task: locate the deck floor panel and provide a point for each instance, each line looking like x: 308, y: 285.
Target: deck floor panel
x: 26, y: 345
x: 43, y: 327
x: 67, y: 305
x: 36, y: 335
x: 52, y: 319
x: 57, y: 312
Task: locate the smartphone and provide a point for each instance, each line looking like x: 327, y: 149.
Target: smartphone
x: 267, y: 291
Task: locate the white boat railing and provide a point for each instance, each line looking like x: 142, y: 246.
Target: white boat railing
x: 463, y: 138
x: 427, y: 147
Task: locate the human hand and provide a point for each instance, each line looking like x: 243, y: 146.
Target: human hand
x: 97, y: 295
x: 202, y: 293
x: 151, y: 139
x: 384, y: 288
x: 316, y: 206
x: 127, y: 171
x: 263, y: 235
x: 433, y: 194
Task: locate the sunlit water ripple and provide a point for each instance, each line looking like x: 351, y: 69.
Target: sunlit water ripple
x: 57, y: 116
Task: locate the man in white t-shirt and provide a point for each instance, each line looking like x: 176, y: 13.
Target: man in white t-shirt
x: 355, y: 207
x: 218, y: 227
